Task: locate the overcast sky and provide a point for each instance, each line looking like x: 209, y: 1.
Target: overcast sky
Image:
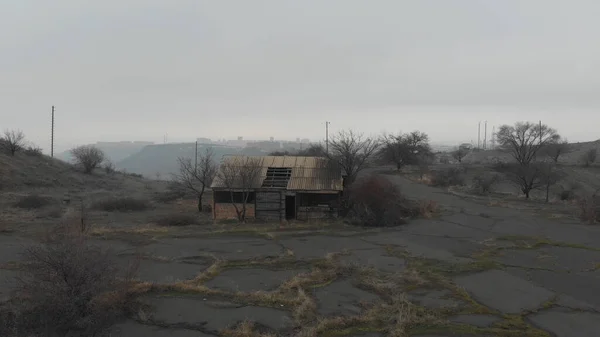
x: 139, y: 69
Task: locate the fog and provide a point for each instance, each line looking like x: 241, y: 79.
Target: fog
x: 140, y: 69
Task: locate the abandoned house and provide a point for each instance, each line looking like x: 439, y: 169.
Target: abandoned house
x: 282, y: 188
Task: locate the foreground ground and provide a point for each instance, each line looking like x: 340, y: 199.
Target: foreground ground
x: 473, y: 270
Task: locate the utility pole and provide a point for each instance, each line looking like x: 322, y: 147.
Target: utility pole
x: 52, y: 135
x: 196, y: 160
x: 327, y: 137
x: 493, y: 137
x: 485, y: 137
x: 479, y: 135
x: 540, y: 133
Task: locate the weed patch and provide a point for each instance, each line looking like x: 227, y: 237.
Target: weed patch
x: 178, y: 219
x: 33, y: 201
x: 125, y: 204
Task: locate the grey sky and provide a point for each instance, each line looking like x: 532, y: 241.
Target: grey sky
x: 137, y: 69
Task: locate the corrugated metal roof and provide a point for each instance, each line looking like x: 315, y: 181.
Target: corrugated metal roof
x: 308, y: 173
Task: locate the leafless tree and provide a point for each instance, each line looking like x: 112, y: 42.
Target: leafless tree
x: 109, y: 167
x: 424, y: 161
x: 526, y: 177
x: 352, y: 152
x: 556, y: 149
x: 404, y: 149
x: 525, y: 139
x: 314, y: 150
x: 197, y: 177
x: 14, y: 140
x: 88, y: 156
x: 589, y: 157
x: 68, y: 287
x: 459, y: 154
x: 240, y: 175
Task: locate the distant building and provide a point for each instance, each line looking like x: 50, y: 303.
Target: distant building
x: 204, y: 140
x: 465, y: 146
x: 289, y: 187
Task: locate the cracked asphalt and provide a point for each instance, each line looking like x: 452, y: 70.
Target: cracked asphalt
x: 497, y: 272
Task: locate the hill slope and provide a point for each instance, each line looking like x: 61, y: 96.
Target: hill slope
x: 40, y: 173
x: 114, y: 151
x: 162, y: 158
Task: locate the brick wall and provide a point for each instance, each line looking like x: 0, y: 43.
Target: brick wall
x: 225, y: 211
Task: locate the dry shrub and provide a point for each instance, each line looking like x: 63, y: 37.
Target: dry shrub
x: 377, y: 202
x: 88, y: 157
x: 33, y: 201
x: 589, y: 157
x: 485, y: 182
x: 448, y: 177
x: 54, y: 212
x: 124, y: 204
x: 427, y: 208
x: 69, y: 287
x: 566, y: 195
x: 590, y: 209
x: 178, y: 219
x: 109, y: 167
x: 170, y: 195
x: 33, y: 151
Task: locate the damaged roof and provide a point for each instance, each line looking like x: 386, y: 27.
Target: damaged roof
x: 307, y: 173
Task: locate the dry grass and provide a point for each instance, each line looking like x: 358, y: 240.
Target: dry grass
x: 123, y: 204
x: 33, y: 201
x: 244, y: 329
x: 140, y: 230
x: 178, y: 219
x: 589, y: 208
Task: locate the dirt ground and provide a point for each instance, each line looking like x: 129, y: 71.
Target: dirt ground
x: 475, y: 269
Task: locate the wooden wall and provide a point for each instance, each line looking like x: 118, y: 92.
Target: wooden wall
x: 270, y: 205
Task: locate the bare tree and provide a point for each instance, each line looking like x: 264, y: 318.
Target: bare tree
x: 589, y: 157
x: 197, y: 177
x: 459, y: 154
x: 88, y: 156
x: 314, y: 150
x: 352, y: 152
x: 404, y: 149
x: 556, y: 149
x: 526, y: 177
x: 424, y: 161
x: 14, y: 140
x: 550, y: 176
x: 240, y: 175
x: 68, y: 287
x: 525, y: 139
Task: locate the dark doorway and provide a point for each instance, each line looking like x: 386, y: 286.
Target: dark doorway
x: 290, y: 207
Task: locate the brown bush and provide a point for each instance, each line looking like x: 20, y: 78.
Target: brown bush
x: 68, y: 287
x: 448, y: 177
x: 33, y: 201
x: 590, y: 209
x: 33, y: 151
x: 88, y: 157
x: 125, y: 204
x: 170, y: 195
x: 427, y: 208
x: 485, y: 182
x: 178, y: 219
x: 376, y: 202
